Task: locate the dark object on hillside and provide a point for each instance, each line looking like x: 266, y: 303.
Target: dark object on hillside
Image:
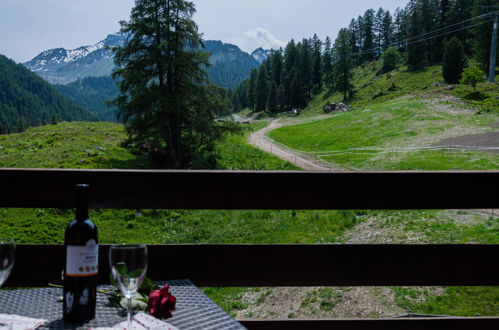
x: 336, y: 107
x: 294, y: 112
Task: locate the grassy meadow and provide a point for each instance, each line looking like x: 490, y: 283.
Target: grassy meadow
x: 384, y: 131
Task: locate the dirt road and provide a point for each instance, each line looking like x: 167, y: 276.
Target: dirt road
x: 260, y: 140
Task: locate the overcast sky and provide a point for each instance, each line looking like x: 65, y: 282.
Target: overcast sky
x: 28, y: 27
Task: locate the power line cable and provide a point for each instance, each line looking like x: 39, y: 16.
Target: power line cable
x: 448, y: 26
x: 377, y: 49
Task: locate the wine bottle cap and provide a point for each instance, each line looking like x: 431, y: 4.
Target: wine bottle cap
x: 82, y: 191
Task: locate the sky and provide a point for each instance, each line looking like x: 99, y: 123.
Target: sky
x: 28, y: 27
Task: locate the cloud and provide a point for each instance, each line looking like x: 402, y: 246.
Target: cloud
x: 254, y: 38
x: 264, y: 37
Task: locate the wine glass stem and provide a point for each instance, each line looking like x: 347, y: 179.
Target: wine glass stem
x: 130, y: 314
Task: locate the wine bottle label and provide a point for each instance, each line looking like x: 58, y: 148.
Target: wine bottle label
x: 82, y: 260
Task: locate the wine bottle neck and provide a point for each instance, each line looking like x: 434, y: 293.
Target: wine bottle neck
x: 81, y: 214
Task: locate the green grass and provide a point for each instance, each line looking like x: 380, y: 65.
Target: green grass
x: 69, y: 145
x: 453, y: 301
x: 236, y: 153
x: 391, y: 125
x: 370, y: 88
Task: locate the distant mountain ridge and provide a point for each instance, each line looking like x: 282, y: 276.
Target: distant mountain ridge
x: 261, y: 54
x: 27, y: 100
x: 230, y: 65
x: 62, y: 66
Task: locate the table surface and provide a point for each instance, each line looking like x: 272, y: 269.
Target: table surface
x: 194, y: 310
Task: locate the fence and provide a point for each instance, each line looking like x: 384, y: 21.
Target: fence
x: 277, y: 265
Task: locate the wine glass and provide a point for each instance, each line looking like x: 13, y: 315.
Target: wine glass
x: 128, y: 265
x: 7, y: 256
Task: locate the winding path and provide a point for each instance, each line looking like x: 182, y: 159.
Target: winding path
x: 260, y: 140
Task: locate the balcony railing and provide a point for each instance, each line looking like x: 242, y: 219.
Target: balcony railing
x: 277, y: 265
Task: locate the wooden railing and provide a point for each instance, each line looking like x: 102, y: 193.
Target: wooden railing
x: 276, y: 265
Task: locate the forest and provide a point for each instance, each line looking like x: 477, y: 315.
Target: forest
x: 453, y: 33
x: 27, y: 100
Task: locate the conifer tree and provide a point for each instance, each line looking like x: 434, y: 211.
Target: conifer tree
x: 273, y: 99
x: 262, y: 89
x: 327, y: 63
x: 251, y: 95
x: 387, y: 30
x: 400, y: 28
x: 316, y: 63
x: 343, y: 66
x: 454, y: 60
x: 378, y: 31
x: 305, y: 65
x: 355, y: 38
x: 164, y: 101
x: 298, y: 98
x: 416, y: 53
x: 367, y: 28
x: 277, y: 63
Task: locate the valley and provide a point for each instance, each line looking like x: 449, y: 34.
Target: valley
x: 226, y: 109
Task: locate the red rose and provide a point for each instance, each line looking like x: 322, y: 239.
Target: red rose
x: 162, y: 303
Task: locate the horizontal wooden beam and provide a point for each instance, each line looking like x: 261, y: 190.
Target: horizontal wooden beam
x: 47, y: 188
x: 441, y: 323
x: 288, y: 265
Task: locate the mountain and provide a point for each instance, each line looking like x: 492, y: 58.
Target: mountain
x: 230, y: 65
x: 62, y: 66
x: 92, y: 93
x: 261, y: 54
x: 27, y: 100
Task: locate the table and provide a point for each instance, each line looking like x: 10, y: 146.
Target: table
x: 194, y: 310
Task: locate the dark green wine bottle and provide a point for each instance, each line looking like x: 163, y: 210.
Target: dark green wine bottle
x: 82, y: 262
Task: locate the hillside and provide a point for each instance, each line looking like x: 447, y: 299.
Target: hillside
x: 92, y: 93
x: 27, y: 100
x: 370, y: 87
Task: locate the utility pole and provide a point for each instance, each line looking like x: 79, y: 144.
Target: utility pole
x: 493, y: 51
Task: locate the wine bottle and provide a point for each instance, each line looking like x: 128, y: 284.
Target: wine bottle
x: 82, y: 261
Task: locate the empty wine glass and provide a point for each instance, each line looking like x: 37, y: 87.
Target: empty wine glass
x: 7, y: 256
x: 128, y: 265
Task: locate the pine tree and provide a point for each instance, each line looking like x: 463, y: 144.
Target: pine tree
x: 298, y: 98
x: 316, y: 63
x: 327, y: 63
x: 277, y: 63
x: 164, y: 101
x: 262, y: 89
x: 460, y: 11
x: 400, y: 27
x: 416, y: 52
x: 443, y: 10
x: 305, y: 65
x: 251, y: 96
x: 273, y: 99
x: 454, y: 61
x: 387, y: 30
x: 378, y: 31
x: 343, y: 67
x: 367, y: 28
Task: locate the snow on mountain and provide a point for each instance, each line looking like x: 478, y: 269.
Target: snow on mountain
x: 261, y: 54
x: 230, y: 65
x: 66, y: 65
